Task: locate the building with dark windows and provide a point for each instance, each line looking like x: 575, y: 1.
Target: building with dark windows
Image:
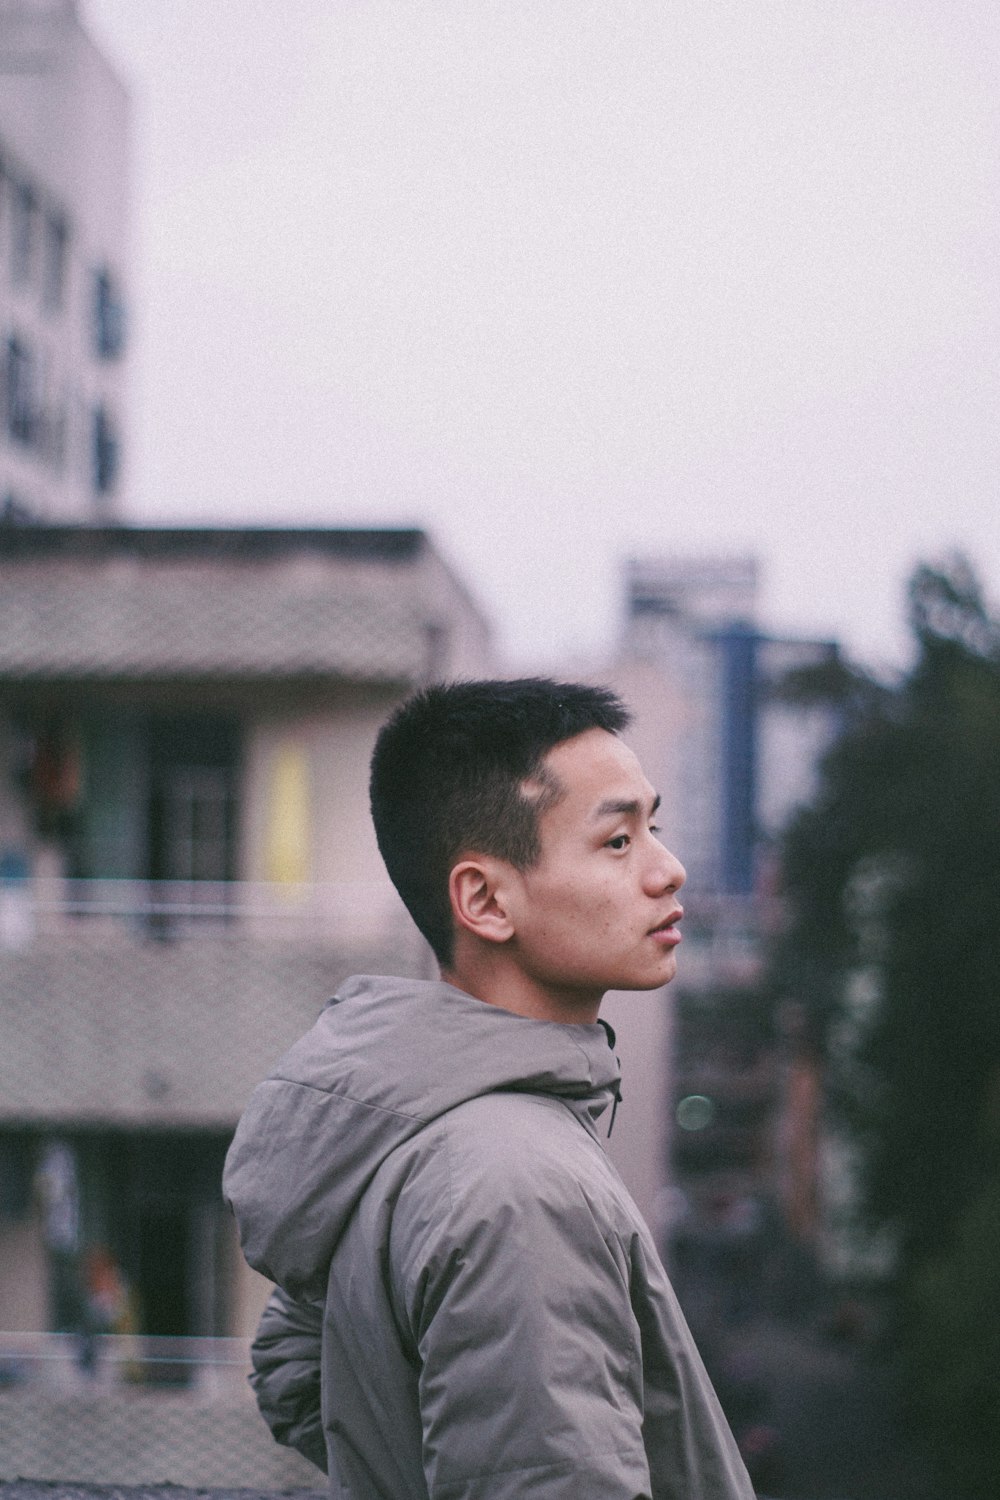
x: 187, y: 869
x: 64, y: 177
x: 733, y: 753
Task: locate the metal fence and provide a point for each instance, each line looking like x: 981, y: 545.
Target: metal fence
x: 135, y: 1020
x: 114, y: 1410
x: 338, y: 912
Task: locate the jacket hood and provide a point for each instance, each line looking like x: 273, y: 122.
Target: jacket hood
x: 385, y: 1058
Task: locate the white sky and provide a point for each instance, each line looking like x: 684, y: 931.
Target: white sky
x: 566, y: 281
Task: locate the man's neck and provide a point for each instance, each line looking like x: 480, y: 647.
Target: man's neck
x: 507, y: 987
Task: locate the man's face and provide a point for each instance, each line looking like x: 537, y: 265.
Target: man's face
x: 598, y: 911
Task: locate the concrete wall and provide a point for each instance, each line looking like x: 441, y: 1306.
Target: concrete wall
x: 460, y: 645
x: 23, y: 1282
x: 306, y: 815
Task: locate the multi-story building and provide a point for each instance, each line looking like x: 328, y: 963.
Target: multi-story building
x: 64, y: 182
x: 741, y: 754
x: 732, y: 753
x: 187, y: 868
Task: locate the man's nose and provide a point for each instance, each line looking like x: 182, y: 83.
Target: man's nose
x: 666, y: 871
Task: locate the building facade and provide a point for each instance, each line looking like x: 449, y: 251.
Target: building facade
x: 64, y: 214
x: 187, y: 869
x: 732, y: 753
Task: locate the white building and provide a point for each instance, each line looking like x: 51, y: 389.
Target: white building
x: 64, y: 175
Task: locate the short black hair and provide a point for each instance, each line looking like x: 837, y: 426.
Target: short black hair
x: 448, y: 775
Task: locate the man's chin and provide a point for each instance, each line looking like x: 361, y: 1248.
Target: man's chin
x: 665, y: 975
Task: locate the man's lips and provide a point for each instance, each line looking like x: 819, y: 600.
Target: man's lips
x: 667, y: 932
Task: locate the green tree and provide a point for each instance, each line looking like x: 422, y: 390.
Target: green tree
x: 892, y: 879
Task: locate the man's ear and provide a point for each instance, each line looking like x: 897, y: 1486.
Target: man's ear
x: 478, y: 903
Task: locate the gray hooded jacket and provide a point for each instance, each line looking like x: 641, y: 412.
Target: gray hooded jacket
x: 421, y: 1175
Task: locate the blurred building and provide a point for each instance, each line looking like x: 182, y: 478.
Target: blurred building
x: 187, y: 869
x: 738, y: 755
x: 732, y: 753
x: 64, y: 183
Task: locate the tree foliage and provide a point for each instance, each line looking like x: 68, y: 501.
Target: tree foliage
x: 892, y: 879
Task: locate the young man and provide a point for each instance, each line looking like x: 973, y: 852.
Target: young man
x: 469, y: 1306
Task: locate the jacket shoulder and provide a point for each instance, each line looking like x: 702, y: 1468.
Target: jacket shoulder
x: 505, y: 1169
x: 519, y: 1140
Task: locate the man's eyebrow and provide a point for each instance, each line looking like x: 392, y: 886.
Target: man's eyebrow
x: 628, y: 809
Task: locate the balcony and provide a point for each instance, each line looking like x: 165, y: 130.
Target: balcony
x: 335, y: 913
x: 135, y: 1005
x: 98, y: 1411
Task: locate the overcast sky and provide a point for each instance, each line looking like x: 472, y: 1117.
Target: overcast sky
x: 566, y: 281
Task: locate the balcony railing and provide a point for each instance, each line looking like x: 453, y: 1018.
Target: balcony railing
x: 117, y: 1410
x: 339, y: 912
x: 90, y: 1363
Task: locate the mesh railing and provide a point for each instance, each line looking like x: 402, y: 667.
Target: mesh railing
x: 136, y: 1411
x: 336, y: 911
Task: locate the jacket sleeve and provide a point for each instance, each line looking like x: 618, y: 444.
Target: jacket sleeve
x: 528, y: 1351
x: 286, y: 1374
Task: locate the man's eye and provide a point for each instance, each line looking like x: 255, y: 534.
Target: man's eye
x: 620, y: 841
x: 655, y: 828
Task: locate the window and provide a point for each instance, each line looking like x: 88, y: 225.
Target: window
x: 23, y: 230
x: 159, y: 798
x: 106, y: 451
x: 192, y: 807
x: 55, y: 243
x: 109, y: 317
x: 197, y: 822
x: 14, y: 511
x: 21, y: 414
x: 55, y: 430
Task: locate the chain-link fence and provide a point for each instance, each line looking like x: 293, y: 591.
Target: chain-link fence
x: 134, y: 1022
x: 112, y: 1410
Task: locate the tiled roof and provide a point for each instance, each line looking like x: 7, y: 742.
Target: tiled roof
x: 158, y: 622
x: 122, y: 1032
